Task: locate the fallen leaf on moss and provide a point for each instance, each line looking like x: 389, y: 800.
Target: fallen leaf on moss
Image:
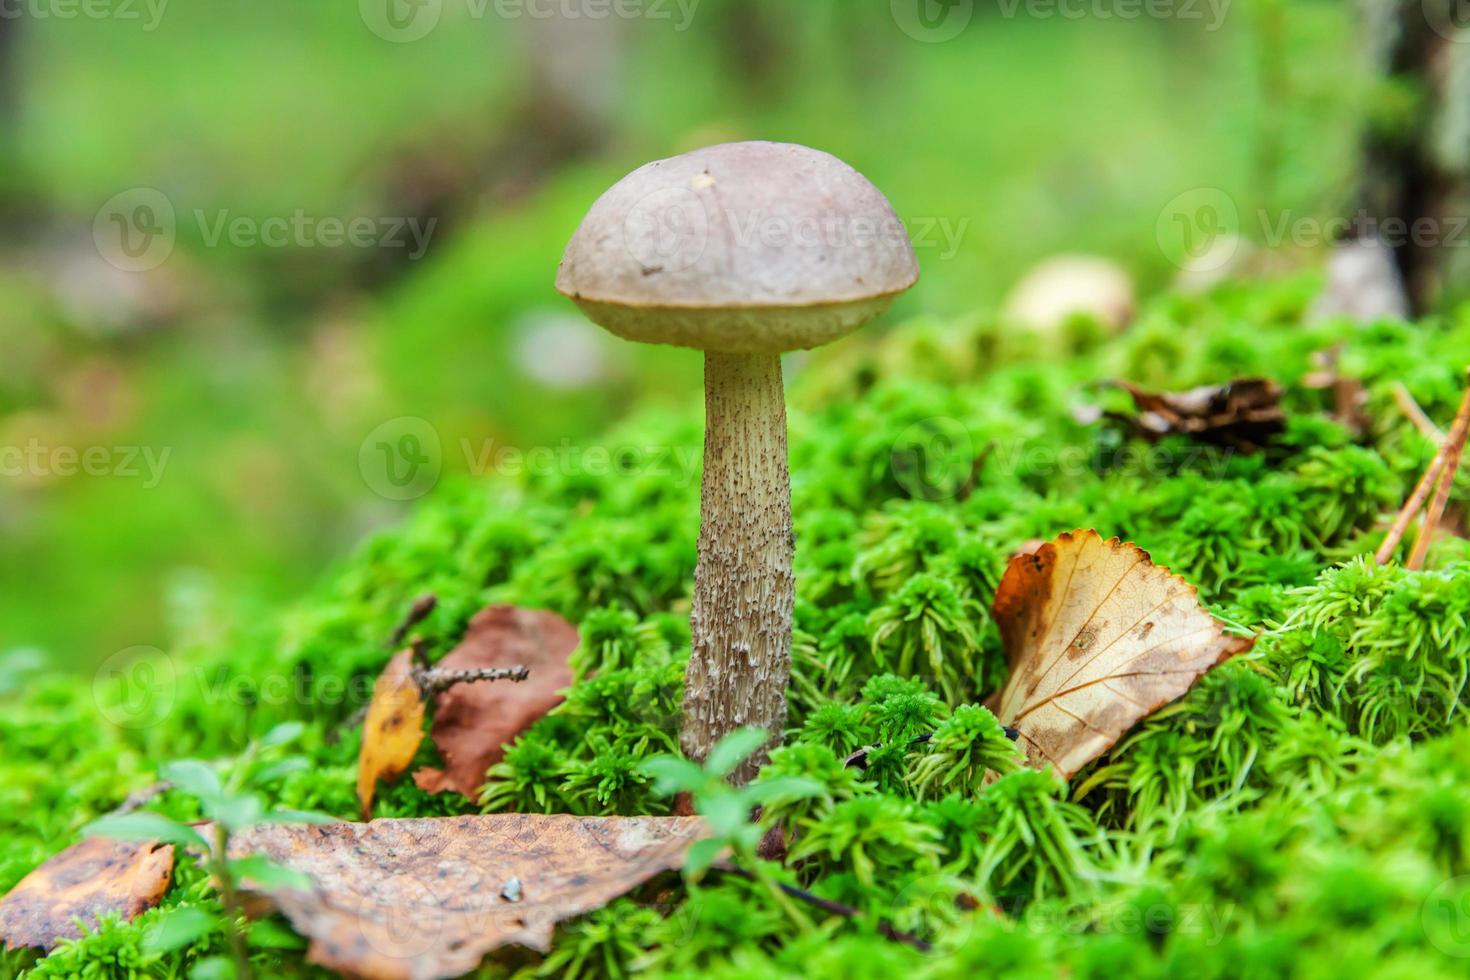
x: 426, y: 898
x: 1244, y: 414
x: 1097, y: 637
x: 393, y: 730
x: 473, y: 722
x: 88, y: 881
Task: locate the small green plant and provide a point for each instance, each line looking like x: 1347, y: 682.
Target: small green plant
x: 1036, y: 842
x: 969, y: 744
x: 230, y: 806
x: 871, y: 836
x: 727, y: 810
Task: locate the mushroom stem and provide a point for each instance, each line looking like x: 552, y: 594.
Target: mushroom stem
x: 743, y: 586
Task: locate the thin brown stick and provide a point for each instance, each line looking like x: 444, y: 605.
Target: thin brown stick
x: 435, y: 680
x: 1411, y: 507
x: 136, y: 799
x: 1441, y: 498
x: 1411, y: 408
x: 416, y: 614
x: 1427, y: 481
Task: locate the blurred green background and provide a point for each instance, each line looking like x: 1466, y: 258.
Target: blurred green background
x: 252, y: 374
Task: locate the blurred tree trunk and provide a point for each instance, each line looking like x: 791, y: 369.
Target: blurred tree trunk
x: 1414, y: 184
x: 10, y: 172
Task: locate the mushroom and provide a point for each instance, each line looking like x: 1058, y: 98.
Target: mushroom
x: 744, y: 251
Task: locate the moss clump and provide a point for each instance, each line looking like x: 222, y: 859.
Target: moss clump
x: 1301, y: 810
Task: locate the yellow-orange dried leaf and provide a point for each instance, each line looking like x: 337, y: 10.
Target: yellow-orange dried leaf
x: 87, y: 881
x: 426, y: 898
x: 394, y: 728
x: 1097, y: 637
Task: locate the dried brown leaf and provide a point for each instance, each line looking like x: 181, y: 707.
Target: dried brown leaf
x: 87, y: 881
x: 393, y: 730
x: 427, y: 898
x: 1244, y: 414
x: 1097, y: 637
x: 473, y: 722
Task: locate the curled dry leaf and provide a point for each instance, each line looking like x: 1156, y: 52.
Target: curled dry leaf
x: 393, y: 730
x: 427, y: 898
x: 1097, y: 637
x: 473, y: 722
x: 89, y: 880
x: 1244, y: 414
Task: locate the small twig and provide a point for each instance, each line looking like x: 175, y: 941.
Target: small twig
x: 976, y: 468
x: 1441, y: 498
x: 860, y: 757
x: 887, y: 929
x: 416, y: 614
x: 1411, y: 408
x: 433, y: 681
x: 1450, y: 448
x: 141, y: 797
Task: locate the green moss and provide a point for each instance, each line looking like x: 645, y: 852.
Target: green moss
x: 1294, y: 813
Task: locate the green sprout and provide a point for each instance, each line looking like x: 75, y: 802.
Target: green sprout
x: 230, y: 806
x: 728, y: 810
x: 970, y: 744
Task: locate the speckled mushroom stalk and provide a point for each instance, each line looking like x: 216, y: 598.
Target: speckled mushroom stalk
x: 743, y: 586
x: 727, y: 250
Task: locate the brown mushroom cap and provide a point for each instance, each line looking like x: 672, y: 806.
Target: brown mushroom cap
x: 740, y: 248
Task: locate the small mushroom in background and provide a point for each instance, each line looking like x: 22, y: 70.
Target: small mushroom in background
x: 1067, y: 286
x: 1363, y: 284
x: 564, y: 351
x: 744, y: 251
